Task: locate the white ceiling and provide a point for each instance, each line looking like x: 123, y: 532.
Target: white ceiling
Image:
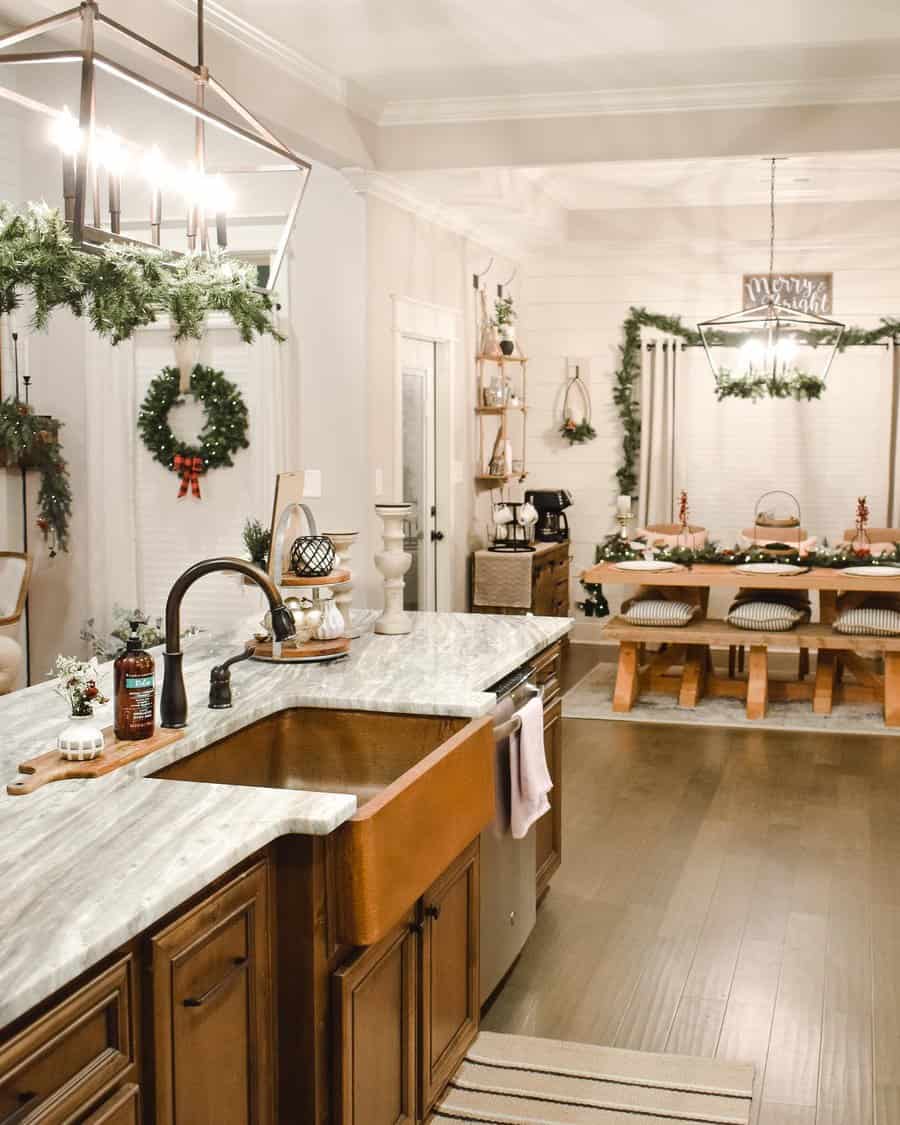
x: 424, y: 49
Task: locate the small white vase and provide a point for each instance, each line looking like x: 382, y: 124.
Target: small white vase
x: 332, y: 624
x: 80, y: 740
x: 393, y: 563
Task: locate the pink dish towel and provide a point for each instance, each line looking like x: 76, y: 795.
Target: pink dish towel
x: 530, y: 780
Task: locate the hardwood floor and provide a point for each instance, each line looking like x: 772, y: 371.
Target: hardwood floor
x: 732, y: 894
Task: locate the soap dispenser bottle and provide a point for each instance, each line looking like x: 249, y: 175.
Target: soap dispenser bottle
x: 135, y: 694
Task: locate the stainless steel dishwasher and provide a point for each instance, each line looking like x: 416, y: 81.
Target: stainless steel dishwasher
x: 507, y: 865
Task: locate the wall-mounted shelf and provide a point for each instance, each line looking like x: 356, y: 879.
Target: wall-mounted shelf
x: 511, y: 377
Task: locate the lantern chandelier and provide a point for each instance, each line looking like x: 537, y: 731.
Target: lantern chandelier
x: 773, y: 343
x: 95, y: 157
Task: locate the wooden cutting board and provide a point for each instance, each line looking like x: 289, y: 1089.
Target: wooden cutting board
x: 52, y: 766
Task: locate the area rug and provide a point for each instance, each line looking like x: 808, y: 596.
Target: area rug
x: 591, y: 698
x: 521, y: 1080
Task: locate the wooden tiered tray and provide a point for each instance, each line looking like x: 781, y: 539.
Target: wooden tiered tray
x: 52, y: 766
x: 335, y: 578
x: 306, y: 652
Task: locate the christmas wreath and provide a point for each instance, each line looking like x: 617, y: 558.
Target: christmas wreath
x: 223, y: 434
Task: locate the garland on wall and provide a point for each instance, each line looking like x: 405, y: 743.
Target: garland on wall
x: 628, y: 374
x: 122, y: 288
x: 31, y: 441
x: 224, y: 431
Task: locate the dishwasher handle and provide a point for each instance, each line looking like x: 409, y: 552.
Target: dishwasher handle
x: 514, y: 725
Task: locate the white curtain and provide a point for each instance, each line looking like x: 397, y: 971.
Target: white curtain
x: 110, y: 439
x: 658, y: 403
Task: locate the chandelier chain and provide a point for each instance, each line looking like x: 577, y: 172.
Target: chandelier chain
x: 772, y: 219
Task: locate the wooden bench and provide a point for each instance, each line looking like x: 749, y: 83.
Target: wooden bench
x: 689, y: 647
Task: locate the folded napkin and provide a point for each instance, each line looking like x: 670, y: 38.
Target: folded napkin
x: 530, y: 780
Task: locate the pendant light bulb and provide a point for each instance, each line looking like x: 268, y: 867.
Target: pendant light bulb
x: 65, y: 133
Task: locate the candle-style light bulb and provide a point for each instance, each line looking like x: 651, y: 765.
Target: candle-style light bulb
x: 67, y: 137
x: 192, y: 188
x: 110, y: 154
x: 155, y: 173
x: 219, y: 201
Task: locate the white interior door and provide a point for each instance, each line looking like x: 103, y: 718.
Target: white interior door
x: 419, y: 372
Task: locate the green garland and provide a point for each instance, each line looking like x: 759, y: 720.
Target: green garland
x: 32, y: 440
x: 225, y: 429
x: 122, y: 288
x: 616, y: 549
x: 627, y: 376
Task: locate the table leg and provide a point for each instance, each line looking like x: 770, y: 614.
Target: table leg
x: 828, y: 610
x: 627, y: 677
x: 826, y: 678
x: 693, y: 678
x: 803, y: 664
x: 758, y: 682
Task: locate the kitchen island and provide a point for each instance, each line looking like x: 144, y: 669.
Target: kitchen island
x: 91, y: 866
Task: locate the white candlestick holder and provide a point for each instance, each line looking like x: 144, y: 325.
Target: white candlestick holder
x: 393, y: 563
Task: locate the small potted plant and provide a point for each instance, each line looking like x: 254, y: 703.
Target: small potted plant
x: 257, y: 542
x: 76, y: 681
x: 505, y: 323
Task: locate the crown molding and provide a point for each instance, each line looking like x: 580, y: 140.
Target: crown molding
x: 250, y: 37
x: 657, y: 99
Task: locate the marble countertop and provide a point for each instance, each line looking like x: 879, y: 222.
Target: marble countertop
x: 87, y: 865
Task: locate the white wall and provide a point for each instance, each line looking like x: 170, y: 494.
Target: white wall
x: 574, y: 303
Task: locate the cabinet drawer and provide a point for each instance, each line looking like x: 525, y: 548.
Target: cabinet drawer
x: 123, y: 1108
x: 69, y: 1057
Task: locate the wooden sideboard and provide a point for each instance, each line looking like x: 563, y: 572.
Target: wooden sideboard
x: 549, y: 583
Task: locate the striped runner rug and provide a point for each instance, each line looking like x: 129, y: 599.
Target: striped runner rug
x: 520, y: 1080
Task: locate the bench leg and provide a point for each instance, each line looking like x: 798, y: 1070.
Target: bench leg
x: 693, y: 678
x: 732, y: 661
x: 627, y: 677
x: 740, y: 655
x: 758, y: 682
x: 826, y: 678
x: 803, y: 664
x: 892, y: 689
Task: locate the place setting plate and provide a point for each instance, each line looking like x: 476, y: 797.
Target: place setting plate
x: 785, y: 570
x: 872, y: 571
x: 647, y: 564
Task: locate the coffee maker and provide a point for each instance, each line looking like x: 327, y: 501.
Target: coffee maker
x: 552, y: 525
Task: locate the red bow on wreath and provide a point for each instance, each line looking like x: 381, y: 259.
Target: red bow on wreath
x: 190, y: 469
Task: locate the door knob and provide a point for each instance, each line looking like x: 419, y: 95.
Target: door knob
x: 437, y: 536
x: 433, y: 912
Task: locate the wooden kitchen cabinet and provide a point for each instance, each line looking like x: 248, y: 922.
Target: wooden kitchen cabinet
x: 213, y: 1027
x: 407, y: 1009
x: 376, y: 1020
x: 547, y: 672
x: 450, y: 982
x: 548, y: 830
x: 59, y: 1067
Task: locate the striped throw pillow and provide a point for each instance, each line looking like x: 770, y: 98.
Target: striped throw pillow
x: 869, y: 621
x: 764, y: 617
x: 658, y: 611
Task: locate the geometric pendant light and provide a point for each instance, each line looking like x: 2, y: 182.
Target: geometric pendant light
x: 771, y: 341
x: 175, y: 169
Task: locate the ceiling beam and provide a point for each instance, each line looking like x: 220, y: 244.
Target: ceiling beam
x: 647, y: 136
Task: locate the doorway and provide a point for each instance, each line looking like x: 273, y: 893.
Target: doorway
x: 424, y: 470
x: 423, y: 537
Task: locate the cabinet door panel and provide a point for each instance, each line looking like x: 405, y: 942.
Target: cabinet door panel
x: 376, y: 1007
x: 450, y: 973
x: 548, y: 830
x: 213, y: 1017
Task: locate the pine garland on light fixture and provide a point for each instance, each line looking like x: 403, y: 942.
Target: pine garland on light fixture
x: 122, y: 287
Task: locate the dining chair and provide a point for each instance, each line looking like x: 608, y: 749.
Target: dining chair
x: 15, y: 577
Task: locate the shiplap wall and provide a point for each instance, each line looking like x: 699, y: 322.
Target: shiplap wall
x: 572, y: 308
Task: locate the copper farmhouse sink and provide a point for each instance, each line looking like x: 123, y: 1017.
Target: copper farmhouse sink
x: 424, y: 784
